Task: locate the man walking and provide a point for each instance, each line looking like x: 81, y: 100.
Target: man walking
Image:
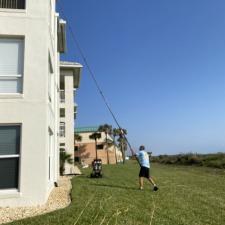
x: 143, y: 158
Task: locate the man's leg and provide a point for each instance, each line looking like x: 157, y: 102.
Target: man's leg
x: 153, y: 183
x: 141, y: 182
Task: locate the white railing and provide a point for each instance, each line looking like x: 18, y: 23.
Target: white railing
x: 12, y: 4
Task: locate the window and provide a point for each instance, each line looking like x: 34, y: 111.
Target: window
x: 76, y: 148
x: 9, y: 156
x: 12, y: 4
x: 75, y: 109
x: 61, y: 33
x: 11, y: 65
x: 62, y: 112
x: 62, y: 82
x: 62, y: 150
x: 99, y: 147
x: 62, y: 129
x: 76, y: 159
x: 62, y: 144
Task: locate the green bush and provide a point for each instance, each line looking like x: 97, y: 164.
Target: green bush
x: 209, y: 160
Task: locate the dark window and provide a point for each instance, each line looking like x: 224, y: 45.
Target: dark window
x: 100, y: 147
x: 9, y: 156
x: 62, y: 144
x: 9, y: 173
x: 62, y: 112
x: 77, y: 159
x: 76, y: 148
x: 62, y: 83
x: 62, y: 150
x: 62, y: 96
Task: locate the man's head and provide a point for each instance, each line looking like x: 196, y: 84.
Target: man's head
x: 141, y: 148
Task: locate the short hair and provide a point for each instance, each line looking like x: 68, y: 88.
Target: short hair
x: 142, y: 147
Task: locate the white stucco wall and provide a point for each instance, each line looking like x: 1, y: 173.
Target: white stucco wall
x: 32, y: 108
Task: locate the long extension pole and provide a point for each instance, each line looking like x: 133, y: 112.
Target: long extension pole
x: 95, y: 80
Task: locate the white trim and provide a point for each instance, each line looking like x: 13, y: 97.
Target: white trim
x: 10, y: 193
x: 10, y: 124
x: 70, y: 65
x: 9, y: 156
x: 11, y: 95
x: 10, y: 75
x: 7, y: 10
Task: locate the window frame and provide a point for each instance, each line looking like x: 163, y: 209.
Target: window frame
x: 14, y: 156
x: 100, y: 146
x: 77, y: 159
x: 14, y: 76
x: 62, y: 112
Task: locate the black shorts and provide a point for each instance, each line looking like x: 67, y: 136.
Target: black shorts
x: 144, y: 172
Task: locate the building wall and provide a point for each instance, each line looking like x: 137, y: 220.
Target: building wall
x: 32, y: 108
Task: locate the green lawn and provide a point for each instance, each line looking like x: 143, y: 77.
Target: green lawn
x: 187, y: 195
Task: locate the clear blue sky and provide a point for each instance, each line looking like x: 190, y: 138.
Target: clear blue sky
x: 161, y: 65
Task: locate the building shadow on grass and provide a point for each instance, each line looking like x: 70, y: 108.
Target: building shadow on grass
x: 115, y: 186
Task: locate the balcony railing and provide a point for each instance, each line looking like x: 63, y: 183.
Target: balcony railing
x: 62, y: 96
x: 12, y: 4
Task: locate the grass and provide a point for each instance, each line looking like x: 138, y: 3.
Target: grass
x: 187, y: 196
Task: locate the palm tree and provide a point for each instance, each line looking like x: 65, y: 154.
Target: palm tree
x: 107, y: 129
x: 64, y: 158
x: 122, y: 142
x: 115, y: 133
x: 95, y: 136
x: 77, y: 137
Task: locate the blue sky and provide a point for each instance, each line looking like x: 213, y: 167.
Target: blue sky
x: 161, y: 65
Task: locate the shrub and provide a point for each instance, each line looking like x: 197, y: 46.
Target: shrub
x: 209, y: 160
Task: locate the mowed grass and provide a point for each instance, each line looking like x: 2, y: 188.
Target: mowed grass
x: 187, y: 196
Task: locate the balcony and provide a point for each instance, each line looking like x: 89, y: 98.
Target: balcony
x: 12, y: 4
x: 62, y: 96
x: 75, y: 108
x: 62, y: 129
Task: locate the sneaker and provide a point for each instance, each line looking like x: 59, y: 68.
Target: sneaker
x: 155, y: 188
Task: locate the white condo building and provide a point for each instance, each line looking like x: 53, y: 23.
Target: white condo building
x: 31, y: 38
x: 69, y: 82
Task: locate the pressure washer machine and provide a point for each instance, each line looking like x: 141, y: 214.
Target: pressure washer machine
x: 97, y: 169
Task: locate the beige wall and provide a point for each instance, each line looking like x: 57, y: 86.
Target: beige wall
x: 87, y: 152
x: 32, y: 108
